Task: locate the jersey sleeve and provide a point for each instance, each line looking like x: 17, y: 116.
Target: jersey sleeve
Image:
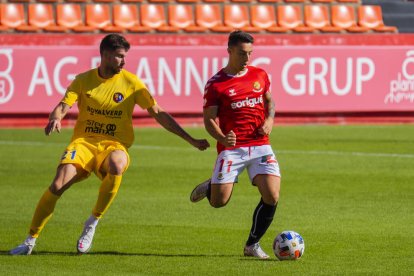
x: 210, y: 96
x: 72, y: 93
x: 143, y: 97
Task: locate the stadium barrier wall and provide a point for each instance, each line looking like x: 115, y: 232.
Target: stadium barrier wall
x: 309, y: 74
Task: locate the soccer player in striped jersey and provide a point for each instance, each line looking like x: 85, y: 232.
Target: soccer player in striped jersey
x: 239, y: 113
x: 106, y: 97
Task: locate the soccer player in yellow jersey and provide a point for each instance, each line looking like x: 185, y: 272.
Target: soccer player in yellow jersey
x: 106, y: 97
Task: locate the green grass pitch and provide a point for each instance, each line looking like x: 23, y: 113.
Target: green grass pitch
x: 348, y: 190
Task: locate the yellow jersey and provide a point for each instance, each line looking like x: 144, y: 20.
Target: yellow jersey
x: 106, y: 105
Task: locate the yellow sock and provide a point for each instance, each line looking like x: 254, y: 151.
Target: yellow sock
x: 107, y: 192
x: 43, y: 212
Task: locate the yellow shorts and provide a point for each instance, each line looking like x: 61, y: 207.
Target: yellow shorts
x: 90, y: 153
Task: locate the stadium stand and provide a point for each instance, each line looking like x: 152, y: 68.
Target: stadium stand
x: 209, y: 16
x: 399, y: 13
x: 291, y: 16
x: 126, y: 17
x: 317, y: 17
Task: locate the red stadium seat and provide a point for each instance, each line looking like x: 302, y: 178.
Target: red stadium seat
x: 12, y: 17
x: 264, y: 17
x: 70, y: 16
x: 348, y: 1
x: 317, y: 17
x: 270, y: 1
x: 322, y: 1
x: 187, y: 1
x: 42, y: 16
x: 153, y: 16
x: 182, y: 17
x: 126, y: 17
x: 98, y: 17
x: 371, y: 17
x: 77, y: 1
x: 214, y: 1
x: 237, y: 17
x: 158, y: 1
x: 131, y: 1
x: 209, y: 16
x: 295, y: 1
x: 290, y: 17
x: 343, y: 16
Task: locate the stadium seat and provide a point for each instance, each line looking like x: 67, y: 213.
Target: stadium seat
x: 214, y: 1
x: 264, y: 17
x: 290, y: 17
x: 317, y: 17
x: 77, y: 1
x: 98, y: 16
x: 41, y: 15
x: 242, y: 1
x: 104, y: 1
x: 182, y: 17
x: 270, y: 1
x: 209, y: 16
x: 295, y: 1
x: 69, y: 15
x: 187, y: 1
x: 153, y: 16
x: 47, y: 1
x: 21, y: 1
x: 12, y: 17
x: 370, y: 16
x: 237, y: 17
x: 126, y: 17
x: 343, y: 16
x: 131, y: 1
x: 322, y: 1
x: 348, y: 1
x: 158, y: 1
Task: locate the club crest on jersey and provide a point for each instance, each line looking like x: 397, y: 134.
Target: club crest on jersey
x: 118, y: 97
x: 256, y: 87
x: 232, y: 92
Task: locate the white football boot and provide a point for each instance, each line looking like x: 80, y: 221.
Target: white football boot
x: 200, y: 191
x: 25, y: 248
x: 85, y: 239
x: 255, y: 250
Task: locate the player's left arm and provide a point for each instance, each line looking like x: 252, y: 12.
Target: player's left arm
x: 267, y: 126
x: 170, y: 124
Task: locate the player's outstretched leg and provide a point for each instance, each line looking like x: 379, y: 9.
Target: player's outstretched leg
x: 25, y: 248
x: 86, y: 238
x: 201, y: 191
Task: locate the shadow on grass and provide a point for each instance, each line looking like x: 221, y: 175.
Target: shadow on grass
x: 116, y: 253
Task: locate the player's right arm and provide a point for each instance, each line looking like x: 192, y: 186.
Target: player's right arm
x: 56, y: 117
x: 210, y: 115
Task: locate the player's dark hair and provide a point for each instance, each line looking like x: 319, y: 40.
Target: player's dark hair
x: 239, y: 36
x: 112, y: 42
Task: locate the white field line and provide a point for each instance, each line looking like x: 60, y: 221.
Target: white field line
x: 302, y: 152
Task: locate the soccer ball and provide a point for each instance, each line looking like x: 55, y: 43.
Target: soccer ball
x: 288, y: 245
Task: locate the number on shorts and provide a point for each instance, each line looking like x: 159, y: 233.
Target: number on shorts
x: 229, y: 163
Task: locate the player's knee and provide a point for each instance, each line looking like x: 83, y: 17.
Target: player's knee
x: 218, y: 203
x: 117, y: 167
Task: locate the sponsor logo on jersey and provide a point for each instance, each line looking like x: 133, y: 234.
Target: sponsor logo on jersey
x: 100, y: 128
x: 256, y: 87
x: 232, y: 92
x: 104, y: 112
x: 118, y: 97
x: 247, y: 102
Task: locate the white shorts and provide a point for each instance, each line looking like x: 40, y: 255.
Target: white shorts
x: 257, y: 160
